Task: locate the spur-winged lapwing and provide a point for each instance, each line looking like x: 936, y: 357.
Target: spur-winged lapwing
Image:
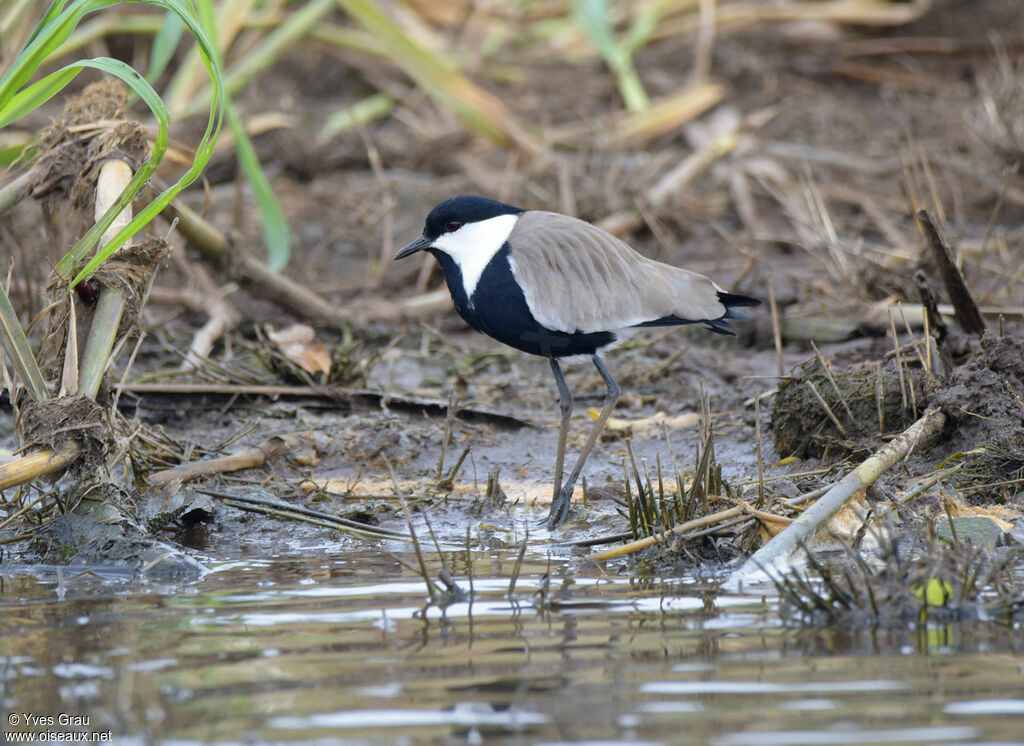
x: 559, y: 287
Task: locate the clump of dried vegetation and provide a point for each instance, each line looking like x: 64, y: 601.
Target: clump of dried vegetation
x: 938, y: 584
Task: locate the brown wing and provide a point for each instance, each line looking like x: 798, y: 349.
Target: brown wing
x: 578, y: 278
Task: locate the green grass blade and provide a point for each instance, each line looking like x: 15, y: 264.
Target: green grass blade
x: 478, y: 109
x: 31, y: 98
x: 643, y: 26
x: 164, y: 45
x: 18, y: 349
x: 52, y: 31
x: 276, y: 233
x: 145, y: 91
x: 204, y: 150
x: 594, y: 19
x: 361, y: 113
x: 55, y: 9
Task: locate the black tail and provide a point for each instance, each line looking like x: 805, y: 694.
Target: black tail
x: 730, y: 299
x: 720, y: 325
x: 731, y: 302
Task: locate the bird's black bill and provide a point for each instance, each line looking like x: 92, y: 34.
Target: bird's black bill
x: 419, y: 244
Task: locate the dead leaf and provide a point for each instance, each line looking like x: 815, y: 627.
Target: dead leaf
x: 299, y: 344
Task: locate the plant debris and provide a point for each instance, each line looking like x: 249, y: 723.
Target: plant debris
x: 932, y: 586
x: 866, y: 401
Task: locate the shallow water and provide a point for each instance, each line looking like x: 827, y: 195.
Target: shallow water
x: 347, y: 649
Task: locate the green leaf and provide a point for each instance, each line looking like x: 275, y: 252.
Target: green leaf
x: 164, y: 45
x: 204, y: 151
x: 17, y: 152
x: 276, y: 233
x: 53, y: 29
x: 18, y: 349
x: 37, y: 94
x: 594, y: 19
x: 359, y: 114
x: 145, y: 91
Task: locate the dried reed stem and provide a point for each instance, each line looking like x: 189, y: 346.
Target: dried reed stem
x: 682, y: 528
x: 27, y: 468
x: 114, y: 176
x: 774, y: 554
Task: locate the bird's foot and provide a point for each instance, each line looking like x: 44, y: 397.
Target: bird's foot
x: 560, y: 507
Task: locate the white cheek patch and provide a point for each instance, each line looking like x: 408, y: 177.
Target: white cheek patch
x: 474, y: 245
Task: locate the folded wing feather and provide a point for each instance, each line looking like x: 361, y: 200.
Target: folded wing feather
x: 578, y: 278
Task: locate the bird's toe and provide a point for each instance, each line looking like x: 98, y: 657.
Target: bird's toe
x: 560, y: 507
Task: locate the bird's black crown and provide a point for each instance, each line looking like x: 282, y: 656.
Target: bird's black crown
x: 464, y: 209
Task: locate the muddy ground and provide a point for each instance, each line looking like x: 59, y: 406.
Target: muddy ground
x: 838, y: 134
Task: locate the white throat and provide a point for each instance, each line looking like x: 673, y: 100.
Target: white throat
x: 474, y: 245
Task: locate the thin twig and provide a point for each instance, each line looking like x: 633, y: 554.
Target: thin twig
x: 832, y: 380
x: 648, y: 541
x: 826, y: 407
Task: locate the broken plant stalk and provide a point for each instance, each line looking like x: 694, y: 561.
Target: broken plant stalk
x: 682, y: 528
x: 965, y: 308
x: 774, y: 554
x: 290, y: 295
x: 247, y: 458
x: 15, y: 191
x: 37, y: 464
x: 114, y: 176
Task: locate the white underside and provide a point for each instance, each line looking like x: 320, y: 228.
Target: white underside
x: 474, y: 245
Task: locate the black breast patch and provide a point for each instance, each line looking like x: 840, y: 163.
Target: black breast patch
x: 499, y: 310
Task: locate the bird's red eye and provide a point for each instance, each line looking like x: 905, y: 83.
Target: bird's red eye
x: 453, y: 225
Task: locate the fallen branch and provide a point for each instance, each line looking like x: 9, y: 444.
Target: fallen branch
x: 247, y: 458
x: 15, y: 191
x: 294, y: 512
x: 215, y: 245
x: 332, y: 395
x: 290, y: 295
x: 774, y: 554
x: 206, y: 298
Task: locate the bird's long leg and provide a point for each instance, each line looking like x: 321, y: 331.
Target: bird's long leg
x: 560, y: 505
x: 565, y: 406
